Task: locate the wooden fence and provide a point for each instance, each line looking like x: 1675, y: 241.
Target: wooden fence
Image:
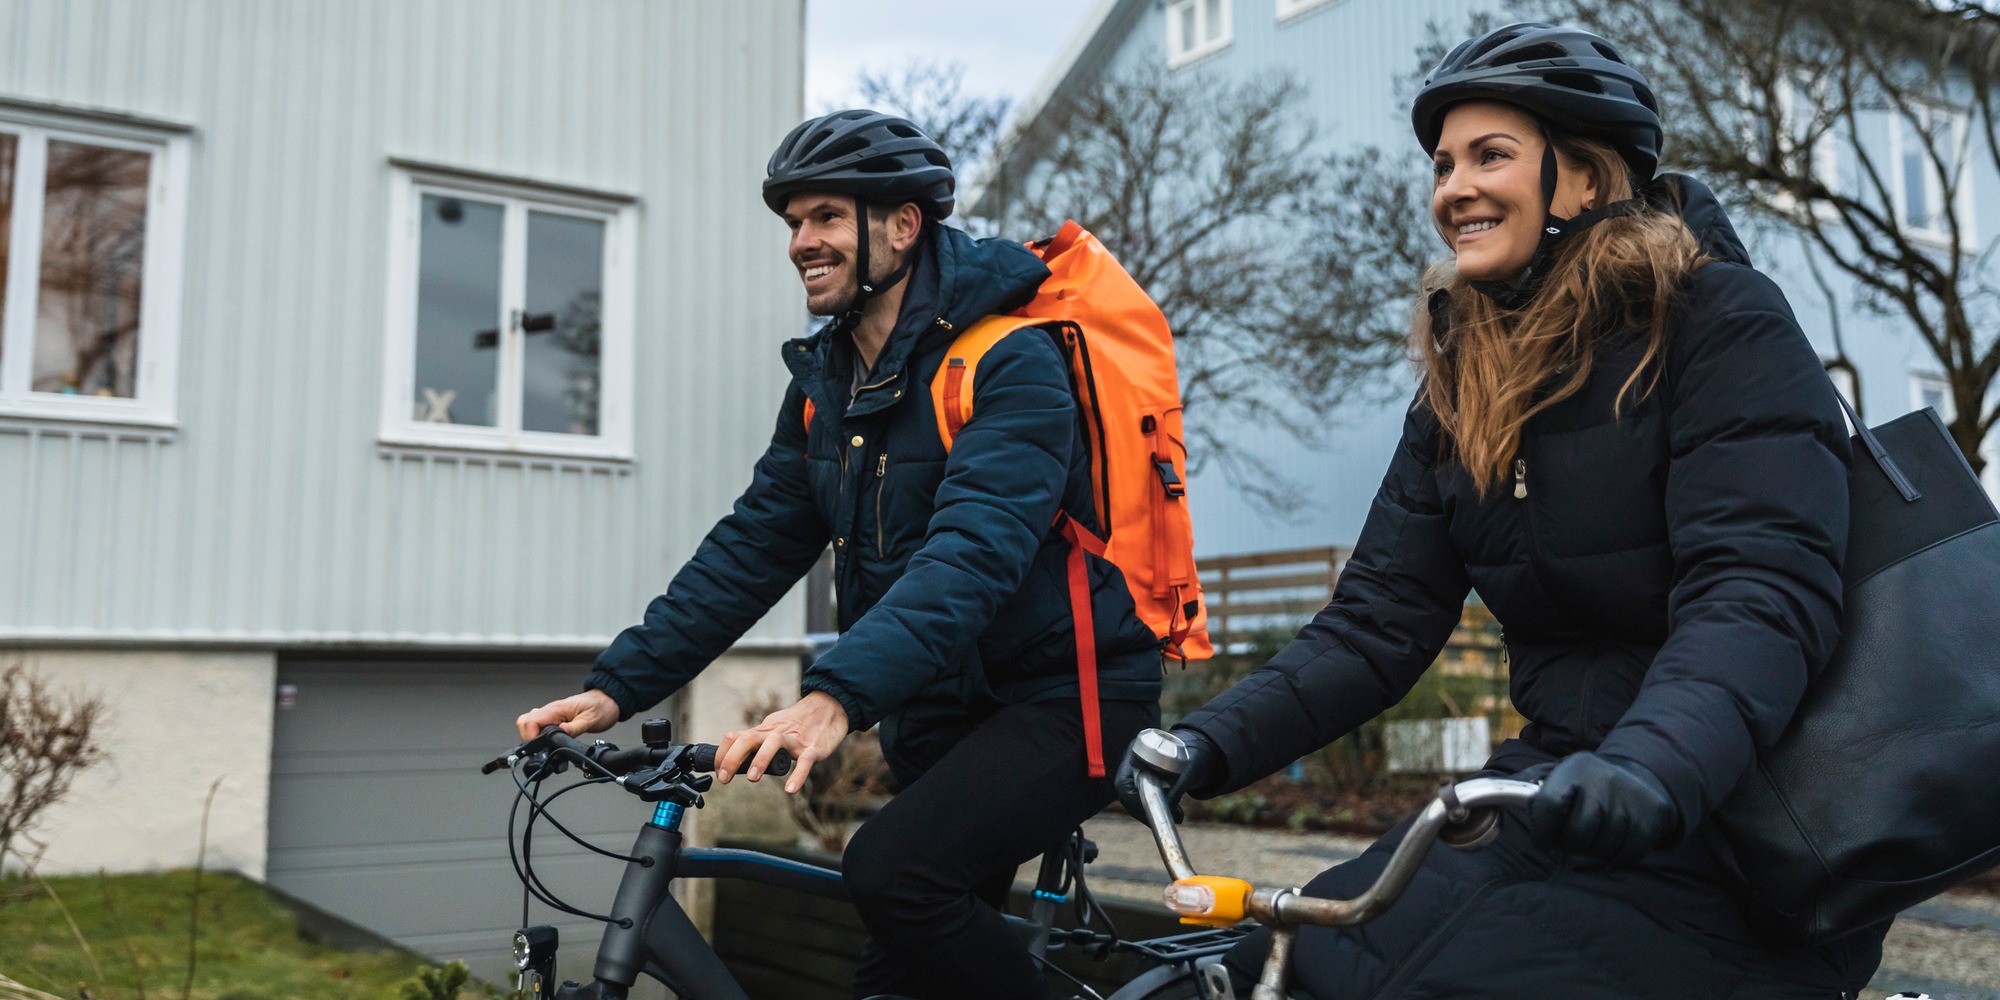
x: 1253, y: 592
x: 1258, y: 590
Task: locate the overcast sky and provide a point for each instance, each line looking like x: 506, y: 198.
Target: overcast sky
x: 1005, y: 45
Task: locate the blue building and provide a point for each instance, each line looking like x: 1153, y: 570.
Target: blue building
x: 1348, y: 55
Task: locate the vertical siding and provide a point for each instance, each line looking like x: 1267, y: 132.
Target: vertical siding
x: 271, y: 512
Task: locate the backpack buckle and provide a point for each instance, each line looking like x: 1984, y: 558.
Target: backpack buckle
x: 1168, y: 479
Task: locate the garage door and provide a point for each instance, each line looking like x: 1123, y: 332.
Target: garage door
x: 379, y: 814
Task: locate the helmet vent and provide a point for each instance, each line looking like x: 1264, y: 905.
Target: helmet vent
x: 1530, y: 53
x: 851, y: 144
x: 879, y: 165
x: 905, y: 131
x: 1575, y: 81
x: 1607, y: 52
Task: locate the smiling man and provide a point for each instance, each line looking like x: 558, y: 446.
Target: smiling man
x: 957, y: 635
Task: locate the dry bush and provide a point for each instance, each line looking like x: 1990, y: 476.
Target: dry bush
x: 46, y: 739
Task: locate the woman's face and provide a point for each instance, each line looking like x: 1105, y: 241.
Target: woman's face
x: 1487, y: 199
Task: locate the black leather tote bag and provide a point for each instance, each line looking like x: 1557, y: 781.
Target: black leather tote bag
x: 1885, y: 788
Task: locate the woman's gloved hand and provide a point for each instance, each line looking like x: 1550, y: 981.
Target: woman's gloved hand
x: 1204, y: 766
x: 1604, y: 807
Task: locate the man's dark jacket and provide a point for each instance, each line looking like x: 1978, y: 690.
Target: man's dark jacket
x: 1668, y: 585
x: 952, y: 587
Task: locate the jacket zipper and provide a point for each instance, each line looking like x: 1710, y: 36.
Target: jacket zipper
x: 881, y: 486
x: 1528, y: 519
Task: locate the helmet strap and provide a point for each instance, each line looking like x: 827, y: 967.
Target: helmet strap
x: 1521, y: 290
x: 865, y: 288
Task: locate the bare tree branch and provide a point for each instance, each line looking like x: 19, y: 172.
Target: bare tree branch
x: 1777, y: 87
x: 1214, y: 197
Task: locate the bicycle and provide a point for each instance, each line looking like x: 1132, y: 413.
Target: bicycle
x: 1465, y: 815
x: 647, y: 933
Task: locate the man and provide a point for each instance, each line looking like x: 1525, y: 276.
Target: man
x: 957, y: 634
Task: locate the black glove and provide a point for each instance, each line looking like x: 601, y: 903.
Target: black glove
x: 1604, y: 807
x: 1204, y: 767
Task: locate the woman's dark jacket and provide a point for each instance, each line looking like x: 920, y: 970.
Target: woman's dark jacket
x: 952, y: 588
x: 1667, y: 585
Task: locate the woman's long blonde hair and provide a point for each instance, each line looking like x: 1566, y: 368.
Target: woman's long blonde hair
x: 1482, y: 373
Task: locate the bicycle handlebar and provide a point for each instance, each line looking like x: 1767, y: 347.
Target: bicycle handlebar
x: 606, y: 758
x: 1465, y: 815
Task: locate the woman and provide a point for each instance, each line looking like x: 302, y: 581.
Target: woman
x: 1626, y: 445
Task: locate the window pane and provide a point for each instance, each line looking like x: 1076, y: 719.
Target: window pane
x: 1212, y: 28
x: 93, y: 249
x: 458, y: 312
x: 9, y: 145
x: 559, y: 377
x: 1916, y: 187
x: 1187, y: 39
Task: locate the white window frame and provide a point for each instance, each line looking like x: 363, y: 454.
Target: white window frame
x: 1288, y: 9
x: 1961, y: 123
x: 1182, y: 51
x: 156, y: 381
x: 1919, y: 381
x: 399, y: 426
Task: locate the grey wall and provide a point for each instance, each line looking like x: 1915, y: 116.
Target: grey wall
x: 270, y: 515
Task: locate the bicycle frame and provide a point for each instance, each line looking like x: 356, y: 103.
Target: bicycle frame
x: 650, y: 933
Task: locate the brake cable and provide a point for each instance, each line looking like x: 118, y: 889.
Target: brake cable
x: 524, y: 867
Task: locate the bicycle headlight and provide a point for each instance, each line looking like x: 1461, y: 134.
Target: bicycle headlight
x: 1208, y: 900
x: 533, y: 945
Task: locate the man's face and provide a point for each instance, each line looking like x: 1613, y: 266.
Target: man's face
x: 823, y: 245
x: 822, y: 248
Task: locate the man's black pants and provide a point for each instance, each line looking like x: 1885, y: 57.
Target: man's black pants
x: 930, y: 873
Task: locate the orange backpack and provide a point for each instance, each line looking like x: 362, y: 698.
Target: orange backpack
x: 1121, y: 358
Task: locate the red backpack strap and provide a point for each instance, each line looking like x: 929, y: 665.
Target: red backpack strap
x: 951, y: 387
x: 1082, y: 543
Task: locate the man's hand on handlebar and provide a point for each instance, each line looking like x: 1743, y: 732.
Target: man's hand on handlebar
x: 592, y: 711
x: 810, y: 729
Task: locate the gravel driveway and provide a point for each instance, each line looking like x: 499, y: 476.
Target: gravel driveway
x: 1948, y: 948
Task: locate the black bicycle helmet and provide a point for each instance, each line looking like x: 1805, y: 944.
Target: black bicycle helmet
x: 1569, y: 77
x: 871, y: 156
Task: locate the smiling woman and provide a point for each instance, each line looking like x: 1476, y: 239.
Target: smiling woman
x: 1508, y: 190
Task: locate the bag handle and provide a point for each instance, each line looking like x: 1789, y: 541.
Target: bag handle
x: 1876, y: 450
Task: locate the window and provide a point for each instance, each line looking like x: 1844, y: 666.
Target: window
x: 91, y: 218
x: 1932, y: 391
x: 1196, y: 28
x: 1292, y: 8
x: 1918, y: 185
x: 510, y: 317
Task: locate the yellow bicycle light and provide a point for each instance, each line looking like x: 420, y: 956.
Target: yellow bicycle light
x: 1208, y: 900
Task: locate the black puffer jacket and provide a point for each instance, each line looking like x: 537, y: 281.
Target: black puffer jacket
x: 1668, y: 578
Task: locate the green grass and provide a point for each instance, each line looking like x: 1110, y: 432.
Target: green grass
x: 136, y: 926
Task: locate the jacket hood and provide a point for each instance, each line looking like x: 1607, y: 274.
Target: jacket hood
x: 1702, y: 212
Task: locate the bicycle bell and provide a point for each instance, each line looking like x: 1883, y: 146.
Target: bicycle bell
x: 1162, y: 752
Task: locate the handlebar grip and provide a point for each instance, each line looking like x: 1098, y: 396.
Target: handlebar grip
x: 702, y: 757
